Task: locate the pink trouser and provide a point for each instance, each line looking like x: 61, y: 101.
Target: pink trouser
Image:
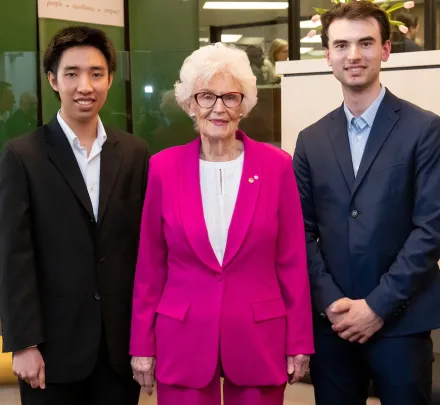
x: 211, y: 394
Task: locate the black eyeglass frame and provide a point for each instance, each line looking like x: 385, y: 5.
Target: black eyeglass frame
x: 217, y: 97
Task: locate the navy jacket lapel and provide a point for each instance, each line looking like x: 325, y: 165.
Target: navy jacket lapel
x: 384, y: 122
x: 341, y: 147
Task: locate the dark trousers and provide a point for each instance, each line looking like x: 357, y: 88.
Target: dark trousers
x: 102, y: 387
x: 399, y: 367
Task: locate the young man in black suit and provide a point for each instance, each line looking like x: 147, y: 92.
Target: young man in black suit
x: 71, y: 196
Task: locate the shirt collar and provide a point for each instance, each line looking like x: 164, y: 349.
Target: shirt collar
x: 370, y: 113
x: 101, y: 136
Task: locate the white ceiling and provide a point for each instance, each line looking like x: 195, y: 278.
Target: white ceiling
x: 257, y: 35
x: 228, y: 17
x: 232, y: 17
x: 263, y: 34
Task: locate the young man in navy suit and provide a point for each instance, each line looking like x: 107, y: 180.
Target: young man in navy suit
x: 369, y: 179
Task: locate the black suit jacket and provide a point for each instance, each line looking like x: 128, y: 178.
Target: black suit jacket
x: 376, y: 236
x: 64, y: 277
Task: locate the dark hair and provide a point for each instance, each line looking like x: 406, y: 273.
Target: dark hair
x: 356, y: 10
x: 409, y: 19
x: 78, y: 36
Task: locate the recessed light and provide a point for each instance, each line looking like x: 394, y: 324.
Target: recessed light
x: 248, y: 5
x: 228, y: 38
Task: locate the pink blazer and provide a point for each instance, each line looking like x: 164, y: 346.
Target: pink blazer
x: 254, y: 309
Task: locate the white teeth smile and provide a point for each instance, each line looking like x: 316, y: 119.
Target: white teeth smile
x: 354, y: 69
x: 81, y: 102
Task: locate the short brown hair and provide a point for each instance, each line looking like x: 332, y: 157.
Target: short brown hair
x: 71, y: 37
x: 356, y: 10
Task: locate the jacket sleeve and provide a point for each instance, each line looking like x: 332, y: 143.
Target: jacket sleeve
x: 416, y: 263
x: 324, y: 289
x: 146, y: 166
x: 20, y: 308
x: 151, y: 268
x: 291, y: 267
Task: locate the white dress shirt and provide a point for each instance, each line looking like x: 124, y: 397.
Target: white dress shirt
x: 219, y: 182
x: 90, y: 166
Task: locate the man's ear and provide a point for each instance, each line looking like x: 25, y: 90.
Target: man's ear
x: 327, y: 57
x: 52, y: 81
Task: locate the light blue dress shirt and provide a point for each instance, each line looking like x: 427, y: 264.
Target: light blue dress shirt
x: 359, y: 128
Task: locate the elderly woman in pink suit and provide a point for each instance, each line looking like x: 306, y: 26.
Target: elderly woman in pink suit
x: 221, y: 286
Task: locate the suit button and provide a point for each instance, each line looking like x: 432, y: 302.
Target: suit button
x: 101, y: 259
x: 354, y: 213
x: 97, y: 297
x: 92, y: 220
x: 219, y: 277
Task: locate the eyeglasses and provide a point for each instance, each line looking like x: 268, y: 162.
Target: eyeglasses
x: 208, y: 100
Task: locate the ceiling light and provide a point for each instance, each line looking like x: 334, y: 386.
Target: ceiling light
x: 248, y: 5
x: 230, y: 37
x: 148, y: 89
x: 251, y: 41
x: 309, y: 24
x: 317, y: 52
x: 314, y: 40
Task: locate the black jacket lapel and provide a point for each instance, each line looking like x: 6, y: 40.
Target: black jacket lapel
x: 111, y: 161
x: 60, y: 153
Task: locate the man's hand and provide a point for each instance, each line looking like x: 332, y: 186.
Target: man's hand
x: 359, y: 324
x: 28, y: 365
x: 337, y: 311
x: 297, y: 366
x: 143, y: 372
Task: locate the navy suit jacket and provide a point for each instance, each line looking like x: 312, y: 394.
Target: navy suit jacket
x: 376, y: 236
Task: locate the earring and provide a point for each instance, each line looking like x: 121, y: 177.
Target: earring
x: 192, y: 115
x: 241, y: 115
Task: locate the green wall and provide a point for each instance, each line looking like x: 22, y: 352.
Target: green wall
x: 18, y: 58
x: 162, y: 35
x: 18, y: 26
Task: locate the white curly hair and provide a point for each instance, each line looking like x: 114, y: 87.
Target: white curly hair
x: 206, y: 62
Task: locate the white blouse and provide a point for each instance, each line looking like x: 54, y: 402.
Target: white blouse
x: 219, y: 182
